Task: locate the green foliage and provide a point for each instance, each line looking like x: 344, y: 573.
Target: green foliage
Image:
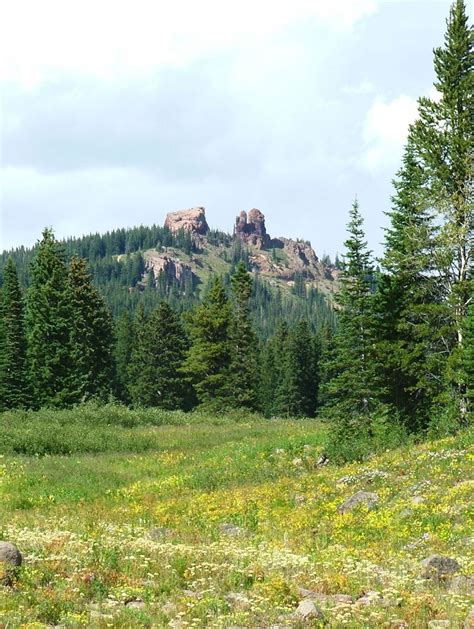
x: 243, y: 373
x: 207, y: 362
x: 156, y: 362
x: 92, y: 339
x: 14, y: 377
x: 49, y: 323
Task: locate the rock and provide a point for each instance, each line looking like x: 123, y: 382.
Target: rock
x: 160, y: 532
x: 170, y: 609
x: 417, y: 500
x: 10, y: 560
x: 193, y: 220
x: 439, y: 567
x: 231, y: 530
x: 469, y: 622
x: 397, y: 623
x: 135, y: 604
x: 361, y: 497
x: 307, y: 610
x: 437, y: 624
x: 297, y: 462
x: 251, y: 230
x: 238, y: 600
x: 168, y: 266
x: 462, y: 585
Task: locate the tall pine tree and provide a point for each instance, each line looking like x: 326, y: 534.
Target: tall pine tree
x: 14, y: 377
x: 207, y: 362
x: 243, y: 380
x: 92, y: 338
x: 48, y: 324
x: 444, y: 143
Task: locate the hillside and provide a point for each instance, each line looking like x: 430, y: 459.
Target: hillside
x: 175, y: 262
x: 223, y: 522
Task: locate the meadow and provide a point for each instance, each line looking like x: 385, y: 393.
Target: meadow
x: 145, y: 518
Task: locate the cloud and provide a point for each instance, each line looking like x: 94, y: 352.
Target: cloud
x: 385, y: 131
x: 114, y: 38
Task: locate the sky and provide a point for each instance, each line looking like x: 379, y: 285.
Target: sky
x: 115, y: 112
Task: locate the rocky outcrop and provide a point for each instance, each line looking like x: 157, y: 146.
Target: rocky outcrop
x: 193, y: 220
x: 367, y: 498
x: 251, y: 230
x: 171, y: 267
x: 10, y: 560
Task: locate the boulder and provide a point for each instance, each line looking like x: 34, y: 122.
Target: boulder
x: 361, y: 497
x: 462, y: 585
x: 192, y: 220
x: 319, y: 597
x: 238, y: 600
x: 135, y: 604
x: 439, y: 567
x: 307, y: 610
x: 231, y: 530
x: 10, y: 560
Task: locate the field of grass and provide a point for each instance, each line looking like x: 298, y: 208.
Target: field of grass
x: 140, y: 519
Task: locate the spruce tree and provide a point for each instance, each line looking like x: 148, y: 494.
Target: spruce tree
x: 92, y: 338
x: 158, y: 379
x: 299, y: 386
x: 123, y: 352
x: 352, y: 394
x: 48, y: 325
x: 243, y: 343
x: 444, y: 142
x: 411, y: 318
x: 207, y: 362
x: 468, y: 361
x: 14, y: 377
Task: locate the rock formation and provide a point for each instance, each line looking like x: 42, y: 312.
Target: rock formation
x: 193, y: 220
x: 251, y: 230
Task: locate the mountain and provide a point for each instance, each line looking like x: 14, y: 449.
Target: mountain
x: 176, y: 261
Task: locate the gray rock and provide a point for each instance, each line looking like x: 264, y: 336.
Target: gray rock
x: 160, y: 532
x: 231, y: 530
x: 462, y: 585
x: 361, y: 497
x: 136, y: 604
x: 10, y: 554
x: 417, y: 500
x: 439, y: 567
x: 307, y: 610
x: 437, y: 624
x: 10, y: 560
x: 238, y: 600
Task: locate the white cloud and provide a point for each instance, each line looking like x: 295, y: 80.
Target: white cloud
x: 385, y: 131
x: 116, y: 37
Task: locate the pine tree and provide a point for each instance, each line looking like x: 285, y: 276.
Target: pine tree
x: 444, y: 142
x: 48, y: 325
x: 123, y: 352
x: 243, y: 343
x: 352, y: 394
x: 14, y: 377
x: 411, y: 319
x: 92, y: 337
x: 299, y: 386
x: 207, y: 362
x: 158, y: 379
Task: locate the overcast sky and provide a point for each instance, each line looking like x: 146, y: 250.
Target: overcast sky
x: 115, y: 112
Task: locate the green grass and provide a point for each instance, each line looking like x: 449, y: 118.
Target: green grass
x: 85, y: 522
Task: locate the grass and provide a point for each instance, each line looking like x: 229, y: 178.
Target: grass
x: 116, y: 523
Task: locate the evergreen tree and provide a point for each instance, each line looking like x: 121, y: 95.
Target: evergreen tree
x: 299, y: 386
x: 444, y: 142
x: 207, y: 362
x: 14, y: 378
x: 158, y: 379
x: 48, y: 325
x: 353, y: 391
x: 468, y: 361
x: 243, y: 343
x: 92, y: 337
x: 123, y: 353
x: 138, y: 354
x: 411, y: 319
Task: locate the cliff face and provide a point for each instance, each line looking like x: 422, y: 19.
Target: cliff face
x: 279, y: 259
x: 193, y: 220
